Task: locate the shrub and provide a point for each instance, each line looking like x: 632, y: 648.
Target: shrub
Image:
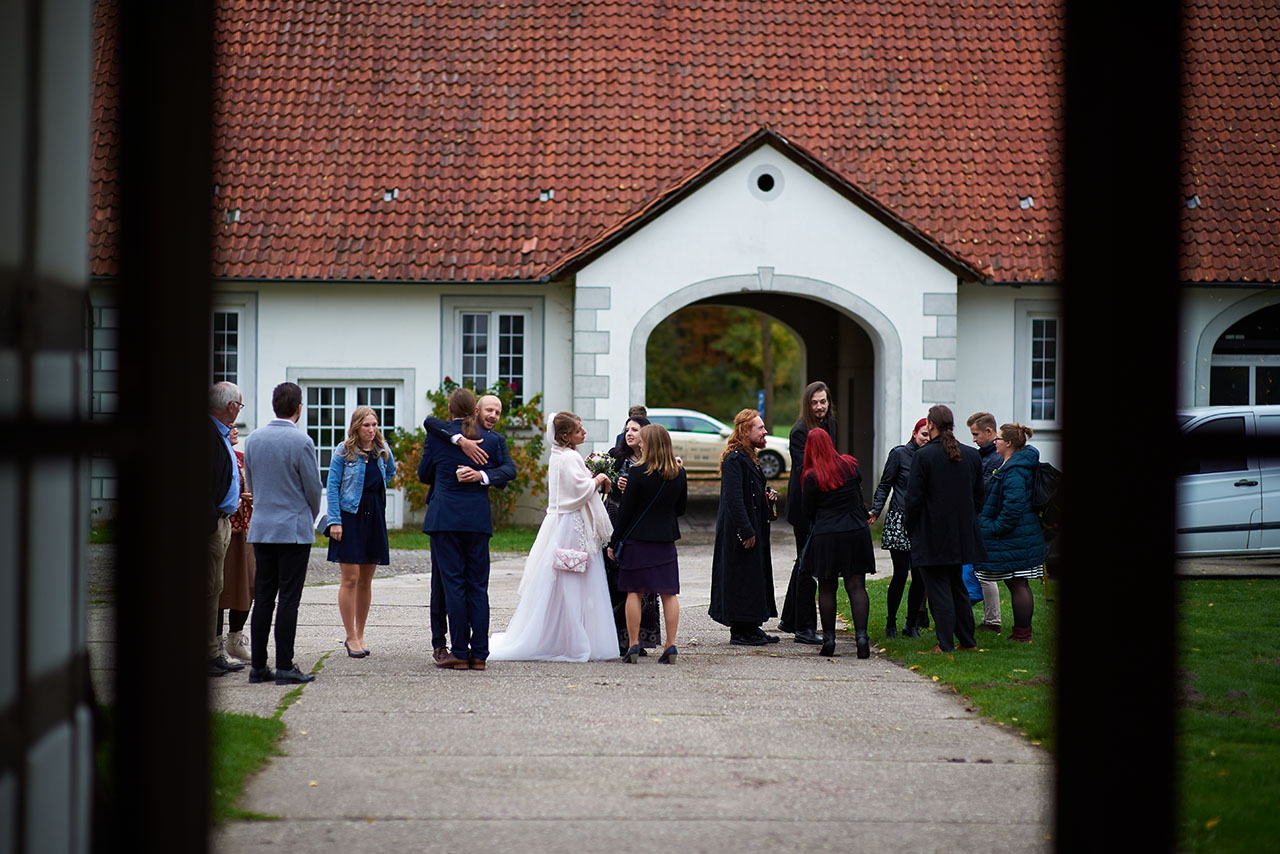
x: 523, y: 427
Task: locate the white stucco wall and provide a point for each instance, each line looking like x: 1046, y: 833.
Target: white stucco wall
x: 1205, y: 314
x: 807, y: 240
x: 987, y: 378
x: 386, y: 332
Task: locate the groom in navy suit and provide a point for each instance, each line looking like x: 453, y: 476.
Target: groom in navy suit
x: 461, y: 468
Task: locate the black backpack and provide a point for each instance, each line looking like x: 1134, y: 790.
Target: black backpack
x: 1046, y: 499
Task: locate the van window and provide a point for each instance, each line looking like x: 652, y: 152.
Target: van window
x: 1269, y: 430
x: 1222, y: 439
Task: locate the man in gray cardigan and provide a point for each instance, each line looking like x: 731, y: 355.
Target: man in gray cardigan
x: 280, y: 464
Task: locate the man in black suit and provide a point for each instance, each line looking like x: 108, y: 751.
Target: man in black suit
x: 799, y: 614
x: 461, y: 470
x: 944, y: 496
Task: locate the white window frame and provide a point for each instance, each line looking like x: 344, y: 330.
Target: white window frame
x: 1026, y: 311
x: 453, y: 307
x: 1244, y: 360
x: 245, y: 306
x: 401, y: 379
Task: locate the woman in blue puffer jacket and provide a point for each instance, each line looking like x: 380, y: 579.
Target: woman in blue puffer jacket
x: 1010, y: 528
x: 359, y: 473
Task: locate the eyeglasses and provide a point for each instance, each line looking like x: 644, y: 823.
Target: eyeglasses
x: 239, y: 404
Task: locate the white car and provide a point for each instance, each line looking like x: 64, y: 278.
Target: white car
x: 1228, y: 499
x: 700, y: 439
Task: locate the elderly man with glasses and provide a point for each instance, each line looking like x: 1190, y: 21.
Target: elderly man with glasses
x: 225, y: 403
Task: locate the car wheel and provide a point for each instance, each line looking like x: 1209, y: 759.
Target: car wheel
x: 771, y: 464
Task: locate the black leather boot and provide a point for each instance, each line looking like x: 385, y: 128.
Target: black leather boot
x: 864, y: 643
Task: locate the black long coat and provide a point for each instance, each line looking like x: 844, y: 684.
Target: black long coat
x: 741, y: 578
x: 943, y: 502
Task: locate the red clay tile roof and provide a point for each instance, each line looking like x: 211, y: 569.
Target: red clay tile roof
x: 1231, y: 164
x: 498, y: 139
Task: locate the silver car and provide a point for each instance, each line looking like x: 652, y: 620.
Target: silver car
x: 1228, y: 499
x: 700, y: 439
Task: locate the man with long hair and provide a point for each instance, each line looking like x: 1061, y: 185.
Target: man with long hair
x: 741, y: 566
x: 817, y: 410
x: 944, y: 497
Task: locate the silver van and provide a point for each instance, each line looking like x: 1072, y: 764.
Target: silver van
x: 1228, y: 499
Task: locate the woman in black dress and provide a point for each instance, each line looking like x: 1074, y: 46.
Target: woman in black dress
x: 647, y: 530
x: 625, y: 455
x: 839, y: 543
x: 359, y: 472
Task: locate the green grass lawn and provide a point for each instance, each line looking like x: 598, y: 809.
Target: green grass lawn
x: 239, y: 745
x: 1010, y: 683
x: 1229, y: 720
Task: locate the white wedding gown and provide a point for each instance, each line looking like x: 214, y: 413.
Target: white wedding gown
x: 564, y: 616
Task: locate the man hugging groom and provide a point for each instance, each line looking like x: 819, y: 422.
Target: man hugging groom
x: 461, y: 459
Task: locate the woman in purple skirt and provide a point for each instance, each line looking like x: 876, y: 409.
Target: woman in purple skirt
x: 645, y: 534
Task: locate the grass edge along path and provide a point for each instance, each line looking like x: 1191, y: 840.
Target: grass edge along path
x: 1011, y: 684
x: 240, y: 745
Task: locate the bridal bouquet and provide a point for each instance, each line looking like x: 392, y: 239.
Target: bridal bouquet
x: 598, y: 463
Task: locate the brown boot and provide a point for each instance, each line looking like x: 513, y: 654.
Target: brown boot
x: 1021, y: 635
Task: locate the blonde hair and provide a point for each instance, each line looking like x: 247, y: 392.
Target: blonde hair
x: 563, y: 426
x: 351, y: 446
x: 1016, y: 435
x: 738, y: 441
x: 658, y: 456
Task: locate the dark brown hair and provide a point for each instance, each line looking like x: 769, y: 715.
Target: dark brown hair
x: 462, y: 404
x: 562, y: 427
x: 806, y: 404
x: 941, y: 418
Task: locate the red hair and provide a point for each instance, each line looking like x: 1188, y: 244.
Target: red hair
x: 916, y: 429
x: 823, y: 465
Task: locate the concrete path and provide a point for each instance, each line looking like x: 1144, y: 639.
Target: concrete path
x: 732, y: 749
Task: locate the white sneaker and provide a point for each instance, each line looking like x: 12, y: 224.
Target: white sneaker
x: 237, y: 646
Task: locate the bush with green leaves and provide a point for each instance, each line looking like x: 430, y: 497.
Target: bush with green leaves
x: 522, y: 424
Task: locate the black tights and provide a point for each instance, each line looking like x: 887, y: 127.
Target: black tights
x: 1023, y: 600
x: 237, y: 621
x: 856, y: 587
x: 915, y: 593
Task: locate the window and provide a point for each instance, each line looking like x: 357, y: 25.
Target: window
x: 493, y: 350
x: 1037, y: 364
x: 226, y: 346
x: 328, y: 407
x: 486, y: 340
x: 1226, y: 436
x: 1044, y: 369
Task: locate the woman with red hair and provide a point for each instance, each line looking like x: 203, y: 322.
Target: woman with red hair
x: 839, y: 537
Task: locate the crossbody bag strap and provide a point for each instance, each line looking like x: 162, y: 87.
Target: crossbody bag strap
x: 646, y: 510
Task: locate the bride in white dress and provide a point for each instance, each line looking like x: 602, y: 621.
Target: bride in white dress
x: 564, y: 615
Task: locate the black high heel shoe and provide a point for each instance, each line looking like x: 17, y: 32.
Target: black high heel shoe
x: 669, y: 655
x: 864, y: 644
x: 828, y: 647
x: 361, y: 654
x: 632, y: 655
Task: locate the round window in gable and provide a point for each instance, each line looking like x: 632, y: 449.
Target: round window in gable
x: 765, y: 182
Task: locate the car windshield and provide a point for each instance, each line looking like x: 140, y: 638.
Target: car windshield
x: 700, y: 425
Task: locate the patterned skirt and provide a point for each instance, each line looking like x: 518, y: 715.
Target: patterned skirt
x: 894, y: 536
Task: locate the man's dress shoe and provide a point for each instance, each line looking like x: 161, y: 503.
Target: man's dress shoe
x: 809, y: 636
x: 293, y: 676
x: 261, y: 674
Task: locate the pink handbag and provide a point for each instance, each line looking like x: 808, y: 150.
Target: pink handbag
x: 570, y: 560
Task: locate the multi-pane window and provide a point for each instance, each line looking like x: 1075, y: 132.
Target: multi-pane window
x: 326, y: 414
x: 382, y: 400
x: 226, y: 346
x: 475, y: 350
x: 1044, y: 369
x: 329, y: 406
x: 488, y: 357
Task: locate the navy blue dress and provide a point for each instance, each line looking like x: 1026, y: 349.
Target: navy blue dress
x: 364, y: 533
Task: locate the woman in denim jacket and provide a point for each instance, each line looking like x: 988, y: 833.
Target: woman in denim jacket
x: 359, y: 472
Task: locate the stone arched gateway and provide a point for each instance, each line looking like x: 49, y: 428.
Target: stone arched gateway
x: 886, y: 391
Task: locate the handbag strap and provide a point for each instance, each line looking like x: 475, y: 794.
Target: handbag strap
x: 646, y: 510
